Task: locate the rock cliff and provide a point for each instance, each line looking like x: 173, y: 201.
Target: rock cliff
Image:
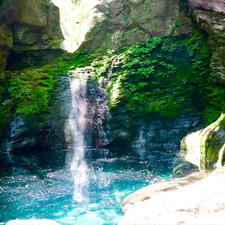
x: 210, y: 16
x: 111, y: 24
x: 205, y: 148
x: 26, y: 26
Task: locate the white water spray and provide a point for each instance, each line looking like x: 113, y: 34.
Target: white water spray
x: 74, y: 134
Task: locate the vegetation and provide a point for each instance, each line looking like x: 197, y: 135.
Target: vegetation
x: 28, y: 91
x: 46, y: 2
x: 163, y: 76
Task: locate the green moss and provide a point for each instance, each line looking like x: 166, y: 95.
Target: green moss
x: 160, y: 75
x: 28, y: 88
x: 212, y: 142
x: 31, y: 89
x: 28, y: 91
x: 5, y: 114
x: 46, y: 2
x: 163, y: 76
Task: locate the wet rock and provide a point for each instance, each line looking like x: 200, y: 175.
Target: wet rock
x: 3, y: 61
x: 24, y: 34
x: 6, y: 42
x: 205, y: 147
x: 47, y: 131
x: 149, y: 134
x: 43, y: 131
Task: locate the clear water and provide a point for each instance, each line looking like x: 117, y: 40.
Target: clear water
x: 41, y: 185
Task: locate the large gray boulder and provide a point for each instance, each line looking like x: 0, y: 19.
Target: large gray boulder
x: 187, y: 200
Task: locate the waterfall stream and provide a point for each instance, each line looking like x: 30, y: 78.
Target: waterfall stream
x: 74, y: 133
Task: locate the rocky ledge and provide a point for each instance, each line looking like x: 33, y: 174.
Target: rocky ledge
x: 195, y: 199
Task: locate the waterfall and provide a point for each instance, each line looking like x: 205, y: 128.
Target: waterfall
x: 75, y: 135
x: 140, y: 144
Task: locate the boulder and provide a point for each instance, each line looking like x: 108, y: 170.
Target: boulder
x: 188, y: 200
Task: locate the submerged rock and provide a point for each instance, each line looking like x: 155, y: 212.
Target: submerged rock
x: 32, y: 222
x: 188, y: 200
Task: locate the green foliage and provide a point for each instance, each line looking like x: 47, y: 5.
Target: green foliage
x: 29, y: 91
x: 163, y: 76
x: 46, y: 2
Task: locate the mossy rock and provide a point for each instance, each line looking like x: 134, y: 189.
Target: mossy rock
x: 205, y: 148
x: 160, y: 75
x: 212, y: 142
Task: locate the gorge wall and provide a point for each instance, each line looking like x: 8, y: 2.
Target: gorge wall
x: 104, y: 27
x: 205, y: 148
x: 27, y: 26
x: 112, y: 24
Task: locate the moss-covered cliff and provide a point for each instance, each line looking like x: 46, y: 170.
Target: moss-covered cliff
x: 207, y: 144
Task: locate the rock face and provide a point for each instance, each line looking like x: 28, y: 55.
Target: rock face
x: 50, y: 131
x: 149, y: 135
x: 26, y: 26
x: 111, y: 24
x: 41, y: 131
x: 210, y: 16
x: 182, y: 201
x: 205, y: 148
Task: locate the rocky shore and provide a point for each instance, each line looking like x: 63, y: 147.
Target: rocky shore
x: 198, y: 198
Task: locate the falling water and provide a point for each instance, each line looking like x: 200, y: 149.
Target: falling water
x: 74, y: 134
x: 140, y: 144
